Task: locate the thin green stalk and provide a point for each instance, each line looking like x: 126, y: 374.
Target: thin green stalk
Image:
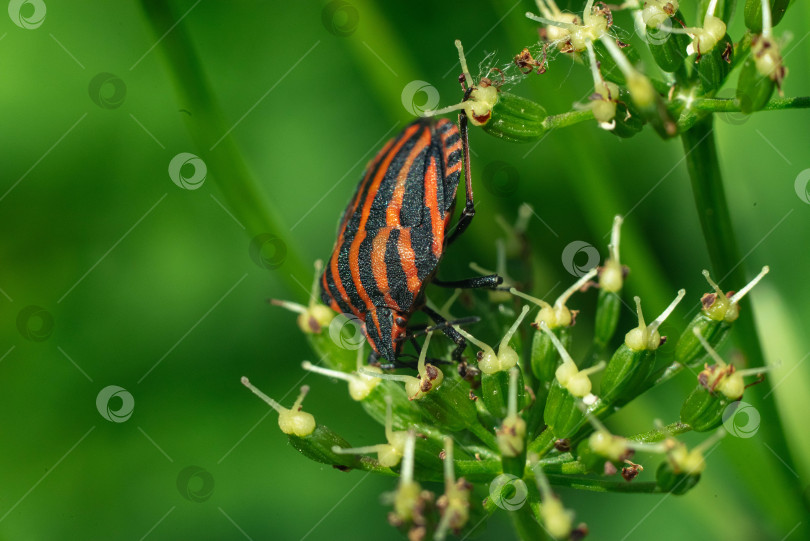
x: 659, y: 434
x: 567, y: 119
x: 526, y: 526
x: 731, y: 105
x: 208, y: 128
x: 715, y: 220
x: 602, y: 485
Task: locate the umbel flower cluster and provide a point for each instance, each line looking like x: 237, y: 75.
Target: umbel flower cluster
x: 518, y: 415
x: 692, y: 63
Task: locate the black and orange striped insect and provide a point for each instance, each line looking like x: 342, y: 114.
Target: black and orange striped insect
x: 395, y: 230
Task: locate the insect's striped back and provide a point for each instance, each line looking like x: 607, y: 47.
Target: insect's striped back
x: 392, y: 233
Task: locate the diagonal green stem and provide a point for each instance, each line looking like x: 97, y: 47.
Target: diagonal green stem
x: 208, y: 130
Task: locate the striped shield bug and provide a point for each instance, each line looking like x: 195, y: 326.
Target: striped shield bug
x: 395, y: 230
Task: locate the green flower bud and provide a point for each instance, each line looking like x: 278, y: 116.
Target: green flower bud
x: 315, y: 321
x: 682, y: 468
x: 715, y: 57
x: 562, y: 413
x: 761, y: 73
x: 628, y: 372
x: 545, y: 359
x: 718, y: 312
x: 360, y: 385
x: 516, y: 119
x: 566, y: 30
x: 495, y: 369
x: 372, y: 392
x: 558, y: 318
x: 291, y: 421
x: 755, y: 16
x: 480, y: 100
x: 314, y: 441
x: 428, y: 379
x: 611, y: 281
x: 454, y: 504
x: 719, y: 386
x: 511, y: 435
x: 603, y: 453
x: 557, y: 520
x: 668, y: 49
x: 388, y: 454
x: 409, y: 500
x: 442, y: 400
x: 314, y: 317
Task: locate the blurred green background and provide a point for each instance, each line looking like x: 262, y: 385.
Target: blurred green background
x: 153, y: 288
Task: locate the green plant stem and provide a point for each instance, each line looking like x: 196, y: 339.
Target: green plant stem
x: 717, y: 105
x: 602, y: 485
x: 715, y: 220
x: 567, y: 119
x: 659, y: 434
x: 207, y: 126
x: 486, y: 437
x: 526, y: 525
x: 542, y: 444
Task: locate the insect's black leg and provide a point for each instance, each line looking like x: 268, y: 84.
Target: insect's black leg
x: 469, y: 207
x: 488, y: 281
x: 449, y: 331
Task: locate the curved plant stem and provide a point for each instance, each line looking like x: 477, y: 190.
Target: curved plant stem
x: 209, y: 130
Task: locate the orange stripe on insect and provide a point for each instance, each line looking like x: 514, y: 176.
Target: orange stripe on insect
x: 408, y: 259
x: 381, y: 170
x: 354, y: 267
x: 333, y: 266
x: 370, y: 168
x: 392, y: 213
x: 456, y: 167
x: 379, y: 268
x: 432, y: 202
